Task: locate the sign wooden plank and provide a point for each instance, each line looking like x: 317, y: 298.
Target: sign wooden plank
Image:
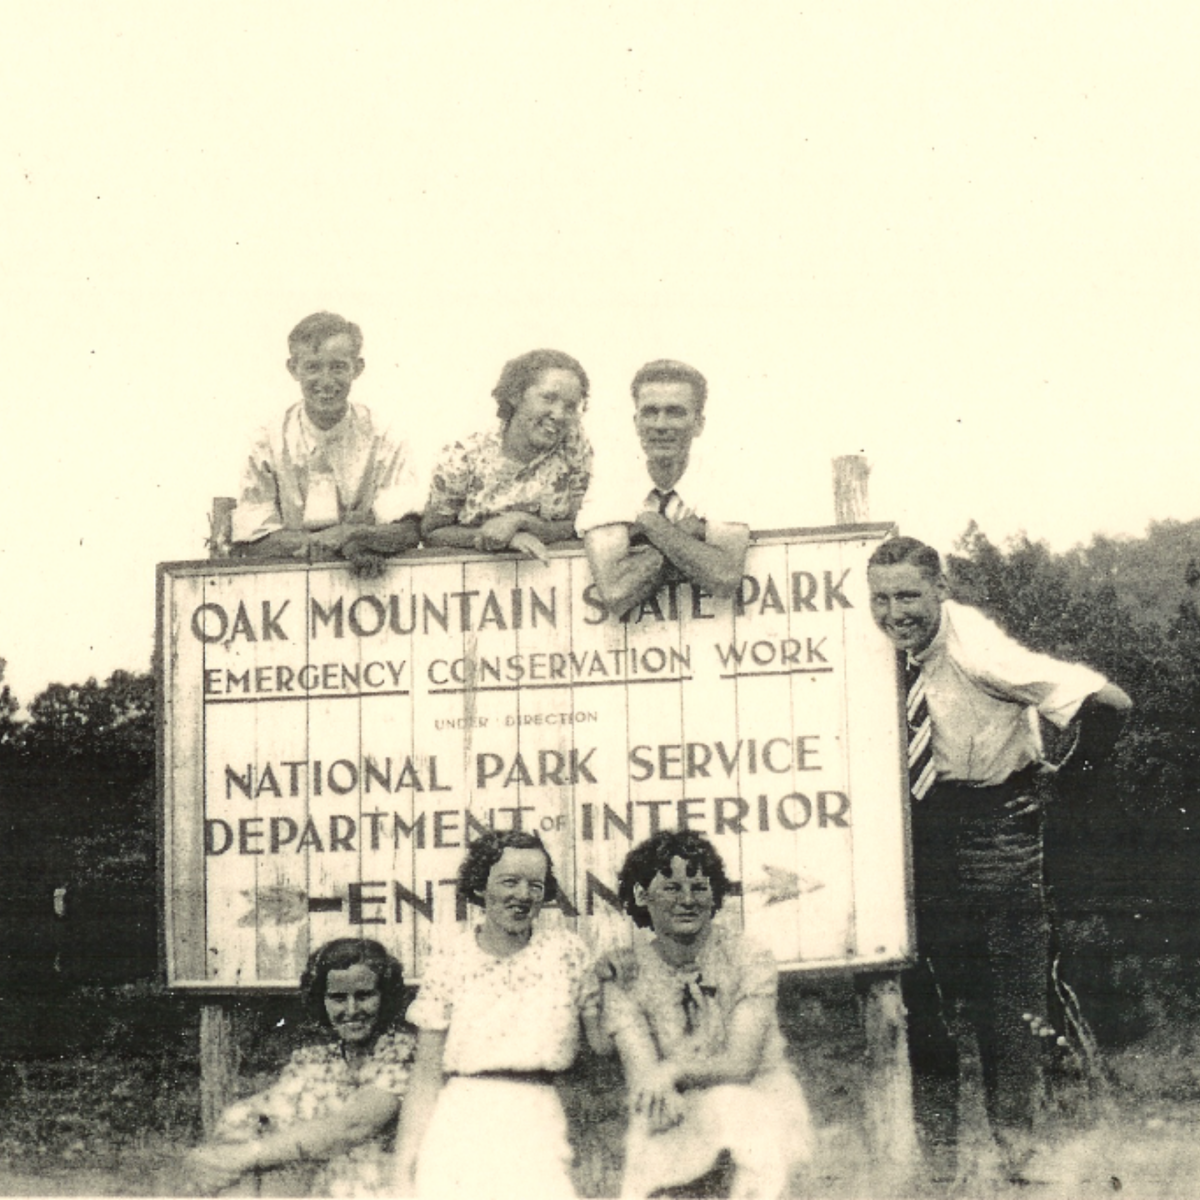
x: 544, y: 773
x: 780, y: 723
x: 599, y: 727
x: 391, y: 770
x: 331, y: 745
x: 446, y: 731
x: 713, y: 801
x: 339, y: 644
x: 180, y: 743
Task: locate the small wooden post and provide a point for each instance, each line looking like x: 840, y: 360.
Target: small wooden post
x: 218, y: 1044
x: 891, y: 1126
x: 888, y: 1111
x: 218, y: 1062
x: 850, y: 504
x: 220, y: 527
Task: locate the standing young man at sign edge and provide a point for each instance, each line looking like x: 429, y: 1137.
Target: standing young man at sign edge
x: 327, y: 481
x: 645, y: 526
x: 974, y: 696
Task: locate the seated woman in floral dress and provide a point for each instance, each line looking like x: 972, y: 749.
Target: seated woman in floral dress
x: 519, y: 485
x: 335, y: 1103
x: 499, y: 1014
x: 695, y: 1025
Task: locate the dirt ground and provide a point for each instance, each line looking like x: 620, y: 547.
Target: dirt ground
x: 98, y: 1096
x: 1136, y: 1156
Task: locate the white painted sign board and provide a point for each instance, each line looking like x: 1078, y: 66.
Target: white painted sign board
x: 328, y: 746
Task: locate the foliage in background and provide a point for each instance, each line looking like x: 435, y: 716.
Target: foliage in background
x: 1091, y: 605
x: 1121, y: 852
x: 111, y: 722
x: 77, y: 811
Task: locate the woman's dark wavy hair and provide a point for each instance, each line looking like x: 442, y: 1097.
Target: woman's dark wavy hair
x: 485, y: 853
x: 653, y: 857
x: 340, y: 955
x: 522, y: 372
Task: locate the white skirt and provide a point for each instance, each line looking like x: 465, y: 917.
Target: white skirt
x: 492, y: 1139
x: 765, y: 1125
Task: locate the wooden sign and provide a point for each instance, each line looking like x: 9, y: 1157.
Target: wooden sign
x: 329, y: 746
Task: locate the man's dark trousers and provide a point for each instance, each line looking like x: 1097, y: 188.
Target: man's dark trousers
x: 983, y: 944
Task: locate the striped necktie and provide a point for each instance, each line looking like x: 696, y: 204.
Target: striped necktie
x: 921, y: 773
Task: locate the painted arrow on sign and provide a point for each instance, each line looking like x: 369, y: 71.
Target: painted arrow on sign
x: 782, y: 885
x: 276, y: 905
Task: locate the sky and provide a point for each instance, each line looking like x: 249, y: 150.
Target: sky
x: 959, y: 239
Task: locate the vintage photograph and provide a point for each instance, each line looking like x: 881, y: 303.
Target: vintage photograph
x: 600, y: 600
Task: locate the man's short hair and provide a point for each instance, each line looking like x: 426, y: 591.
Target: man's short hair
x: 667, y: 370
x: 899, y: 550
x: 522, y: 372
x: 317, y: 328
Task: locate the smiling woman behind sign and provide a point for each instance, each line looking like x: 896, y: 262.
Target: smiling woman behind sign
x: 499, y: 1016
x: 698, y: 1034
x: 519, y: 485
x: 335, y: 1103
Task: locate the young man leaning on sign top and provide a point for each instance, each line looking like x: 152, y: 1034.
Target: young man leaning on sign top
x: 974, y: 697
x: 647, y: 525
x: 327, y: 481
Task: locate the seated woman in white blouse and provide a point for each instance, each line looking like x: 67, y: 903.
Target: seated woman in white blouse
x: 498, y: 1014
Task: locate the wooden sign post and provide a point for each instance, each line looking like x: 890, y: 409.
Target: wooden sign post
x: 890, y: 1120
x: 219, y: 1057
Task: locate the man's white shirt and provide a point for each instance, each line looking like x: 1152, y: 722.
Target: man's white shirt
x: 620, y: 491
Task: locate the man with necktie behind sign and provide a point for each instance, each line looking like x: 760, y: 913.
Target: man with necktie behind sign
x: 977, y: 784
x: 648, y: 525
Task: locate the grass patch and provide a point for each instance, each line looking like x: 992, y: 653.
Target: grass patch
x: 99, y: 1089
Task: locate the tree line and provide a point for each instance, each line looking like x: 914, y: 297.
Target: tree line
x: 78, y: 816
x: 1121, y: 850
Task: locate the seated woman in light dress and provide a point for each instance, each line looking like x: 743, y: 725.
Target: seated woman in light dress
x: 695, y: 1025
x: 335, y: 1104
x: 499, y: 1014
x: 518, y: 485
